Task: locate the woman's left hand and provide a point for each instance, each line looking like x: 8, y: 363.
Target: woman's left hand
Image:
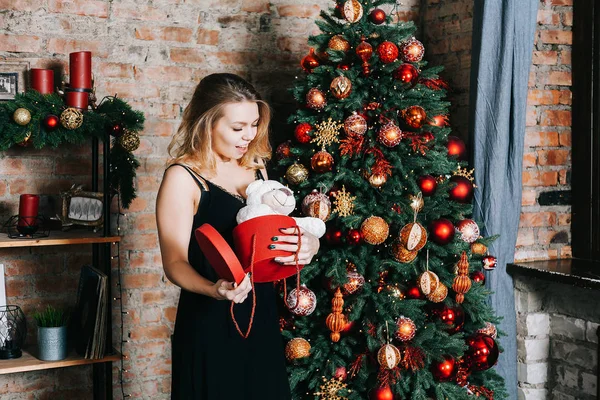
x: 288, y: 241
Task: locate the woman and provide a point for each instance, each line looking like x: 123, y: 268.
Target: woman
x: 219, y: 149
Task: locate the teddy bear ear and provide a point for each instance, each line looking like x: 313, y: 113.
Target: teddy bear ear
x: 253, y: 187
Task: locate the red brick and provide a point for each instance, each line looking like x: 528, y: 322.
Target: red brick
x: 540, y: 178
x: 545, y: 97
x: 21, y: 5
x: 74, y: 167
x: 565, y: 252
x: 114, y: 70
x: 236, y: 57
x: 565, y: 97
x: 169, y: 111
x: 144, y: 259
x: 137, y: 11
x: 292, y: 44
x: 150, y: 332
x: 547, y: 57
x: 556, y: 37
x: 144, y: 222
x: 531, y: 116
x: 529, y: 160
x: 256, y: 6
x: 188, y: 55
x: 93, y: 8
x: 528, y: 197
x: 155, y: 127
x: 149, y: 315
x: 564, y: 219
x: 461, y: 43
x: 133, y: 90
x: 553, y: 157
x: 167, y: 33
x: 148, y: 183
x: 532, y: 80
x: 560, y: 78
x: 163, y: 74
x: 170, y: 314
x: 525, y: 237
x: 66, y: 46
x: 153, y: 297
x: 562, y: 177
x: 299, y: 10
x: 555, y: 118
x: 406, y: 16
x: 565, y: 57
x: 561, y: 2
x: 565, y: 139
x: 535, y: 139
x: 544, y: 236
x: 537, y: 219
x: 439, y: 47
x: 138, y: 204
x: 548, y: 17
x: 20, y: 43
x: 208, y: 36
x: 136, y: 281
x: 142, y: 241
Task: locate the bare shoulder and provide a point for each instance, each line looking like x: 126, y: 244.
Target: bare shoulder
x: 177, y: 181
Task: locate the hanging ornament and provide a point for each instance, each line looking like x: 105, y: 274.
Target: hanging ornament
x: 284, y: 150
x: 340, y: 87
x: 416, y: 202
x: 364, y: 51
x: 355, y: 125
x: 414, y: 116
x: 310, y: 61
x: 315, y: 99
x: 297, y: 348
x: 339, y: 43
x: 353, y: 237
x: 355, y: 280
x: 343, y: 67
x: 130, y: 141
x: 388, y: 356
x: 301, y: 301
x: 462, y: 192
x: 439, y: 294
x: 456, y: 148
x: 336, y: 321
x: 462, y: 283
x: 381, y: 393
x: 406, y: 329
x: 478, y: 248
x: 427, y: 137
x: 26, y: 142
x: 413, y: 236
x: 353, y: 11
x: 344, y: 203
x: 301, y: 133
x: 427, y: 184
x: 428, y: 281
x: 377, y: 180
x: 296, y: 174
x: 412, y: 50
x: 407, y: 74
x: 71, y: 118
x: 51, y: 122
x: 441, y: 231
x: 452, y: 317
x: 340, y: 373
x: 389, y: 135
x: 321, y: 162
x: 317, y: 205
x: 327, y: 133
x: 377, y: 16
x: 444, y: 370
x: 395, y: 291
x: 116, y: 130
x: 489, y: 262
x: 387, y: 52
x: 402, y: 254
x: 489, y: 329
x: 330, y: 389
x: 440, y: 121
x: 374, y: 230
x: 413, y: 292
x: 468, y: 230
x: 482, y: 352
x: 478, y: 277
x: 22, y: 116
x: 333, y: 236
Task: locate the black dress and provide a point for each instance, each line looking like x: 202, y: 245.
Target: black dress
x: 211, y: 361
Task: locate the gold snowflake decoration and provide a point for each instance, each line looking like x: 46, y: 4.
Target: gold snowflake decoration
x: 465, y: 173
x: 327, y: 132
x: 344, y: 202
x: 329, y: 389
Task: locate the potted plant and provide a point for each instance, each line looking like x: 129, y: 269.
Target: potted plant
x: 52, y: 333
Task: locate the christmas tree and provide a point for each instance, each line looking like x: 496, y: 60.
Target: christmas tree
x: 394, y: 306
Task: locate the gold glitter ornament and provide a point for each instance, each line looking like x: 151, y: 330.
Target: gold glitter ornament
x: 22, y: 116
x: 428, y: 281
x: 341, y: 87
x: 71, y: 118
x: 339, y: 43
x: 296, y: 174
x: 374, y: 230
x: 353, y: 11
x: 130, y: 141
x: 344, y: 202
x: 297, y: 348
x: 327, y: 132
x: 401, y: 254
x: 330, y: 388
x: 388, y: 356
x: 478, y: 248
x: 439, y: 294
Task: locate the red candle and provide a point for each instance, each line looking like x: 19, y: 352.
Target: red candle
x: 77, y: 99
x: 28, y: 209
x: 42, y: 80
x: 80, y: 70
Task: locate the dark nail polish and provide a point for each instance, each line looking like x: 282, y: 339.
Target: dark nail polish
x: 271, y: 246
x: 274, y: 238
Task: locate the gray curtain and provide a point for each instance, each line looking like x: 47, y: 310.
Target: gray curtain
x: 503, y: 34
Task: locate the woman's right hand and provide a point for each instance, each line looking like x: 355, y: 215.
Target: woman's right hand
x: 225, y: 290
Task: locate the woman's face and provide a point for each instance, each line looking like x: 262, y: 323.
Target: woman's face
x: 234, y: 131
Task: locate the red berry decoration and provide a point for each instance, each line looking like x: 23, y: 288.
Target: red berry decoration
x: 407, y: 73
x: 333, y: 236
x: 478, y: 277
x: 343, y: 67
x: 340, y: 373
x: 51, y: 122
x: 427, y: 184
x: 412, y: 50
x: 377, y: 16
x: 301, y: 132
x: 452, y: 317
x: 482, y: 352
x: 445, y: 370
x: 456, y: 148
x: 489, y: 262
x: 116, y: 130
x: 381, y: 393
x: 462, y: 192
x: 388, y: 52
x: 354, y: 237
x: 441, y: 231
x: 310, y: 61
x: 468, y: 230
x: 414, y: 293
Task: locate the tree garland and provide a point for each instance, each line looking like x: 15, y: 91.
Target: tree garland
x: 44, y: 120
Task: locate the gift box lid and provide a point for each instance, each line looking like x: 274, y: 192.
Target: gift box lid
x: 219, y: 254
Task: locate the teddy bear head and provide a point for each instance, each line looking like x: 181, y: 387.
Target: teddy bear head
x: 273, y: 194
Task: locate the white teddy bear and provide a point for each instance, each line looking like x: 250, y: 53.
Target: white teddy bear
x: 271, y: 197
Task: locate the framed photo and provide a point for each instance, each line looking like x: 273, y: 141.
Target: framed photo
x: 82, y: 208
x: 13, y: 78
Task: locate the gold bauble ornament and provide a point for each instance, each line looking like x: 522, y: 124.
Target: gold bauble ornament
x: 353, y: 10
x: 388, y: 356
x: 439, y: 294
x: 339, y: 43
x: 130, y: 141
x: 402, y: 254
x: 478, y: 248
x: 297, y: 348
x: 71, y: 118
x: 413, y: 236
x: 22, y: 116
x: 321, y: 162
x: 374, y: 230
x: 406, y: 329
x: 316, y: 99
x: 428, y: 281
x: 296, y: 174
x: 341, y: 87
x: 377, y: 180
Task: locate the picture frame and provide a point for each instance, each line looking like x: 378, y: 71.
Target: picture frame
x: 82, y: 208
x: 13, y: 78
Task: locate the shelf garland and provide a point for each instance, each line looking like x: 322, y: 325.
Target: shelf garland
x: 37, y: 120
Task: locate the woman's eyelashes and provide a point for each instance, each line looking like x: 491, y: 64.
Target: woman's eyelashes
x: 240, y: 129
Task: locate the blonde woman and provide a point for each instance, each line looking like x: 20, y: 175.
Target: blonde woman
x: 219, y: 149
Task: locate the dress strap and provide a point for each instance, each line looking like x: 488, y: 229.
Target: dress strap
x: 199, y: 179
x: 259, y: 174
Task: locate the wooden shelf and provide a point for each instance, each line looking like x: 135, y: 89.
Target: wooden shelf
x: 58, y: 238
x: 28, y: 362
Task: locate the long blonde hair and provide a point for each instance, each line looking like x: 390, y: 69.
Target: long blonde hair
x: 192, y: 144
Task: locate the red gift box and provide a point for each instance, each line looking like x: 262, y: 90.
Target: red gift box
x: 233, y: 266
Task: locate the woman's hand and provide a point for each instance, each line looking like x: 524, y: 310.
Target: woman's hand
x: 224, y: 290
x: 309, y: 246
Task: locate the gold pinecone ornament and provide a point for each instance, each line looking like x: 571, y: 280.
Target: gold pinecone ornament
x: 130, y: 141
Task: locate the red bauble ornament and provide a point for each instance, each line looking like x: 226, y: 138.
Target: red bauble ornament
x: 414, y: 293
x: 478, y: 276
x: 340, y: 373
x: 310, y: 61
x: 377, y: 16
x: 427, y: 184
x: 439, y: 121
x: 390, y: 135
x: 468, y: 230
x: 482, y: 353
x: 414, y: 116
x: 354, y: 237
x: 441, y: 231
x: 489, y: 262
x: 381, y: 393
x: 343, y: 67
x: 364, y: 51
x: 284, y: 150
x: 51, y: 122
x: 456, y: 148
x: 406, y: 329
x: 316, y: 99
x: 301, y: 301
x: 355, y: 125
x: 348, y: 327
x: 333, y: 236
x: 462, y: 192
x: 445, y: 370
x: 116, y: 130
x: 452, y: 317
x: 412, y: 50
x: 407, y: 73
x: 301, y: 132
x: 388, y: 52
x: 321, y: 162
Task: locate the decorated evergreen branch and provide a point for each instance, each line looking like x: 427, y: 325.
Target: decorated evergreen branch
x: 37, y: 120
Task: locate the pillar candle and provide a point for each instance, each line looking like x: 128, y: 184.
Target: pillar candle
x: 80, y: 70
x: 42, y: 80
x: 77, y: 99
x: 28, y: 209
